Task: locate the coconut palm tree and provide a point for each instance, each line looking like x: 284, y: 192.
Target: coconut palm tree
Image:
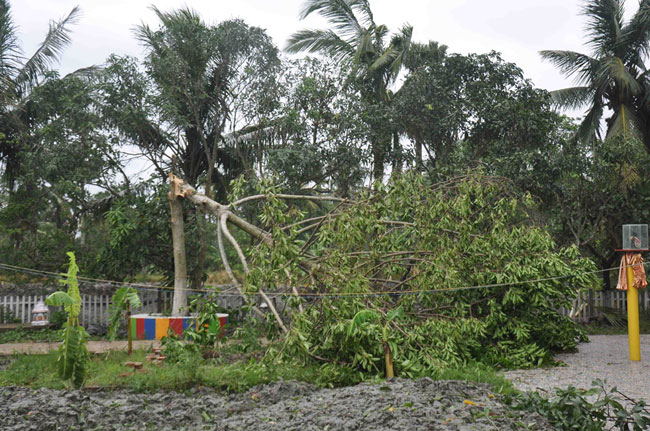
x: 19, y: 76
x: 615, y: 76
x: 355, y: 40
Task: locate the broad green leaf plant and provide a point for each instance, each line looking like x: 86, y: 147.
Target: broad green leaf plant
x: 123, y: 301
x: 73, y: 356
x: 368, y: 316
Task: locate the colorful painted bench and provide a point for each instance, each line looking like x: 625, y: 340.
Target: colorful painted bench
x: 154, y: 327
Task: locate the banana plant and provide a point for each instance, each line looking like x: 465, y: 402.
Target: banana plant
x: 370, y: 315
x: 73, y: 356
x: 124, y: 300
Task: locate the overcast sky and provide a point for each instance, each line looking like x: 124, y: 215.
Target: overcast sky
x: 518, y: 29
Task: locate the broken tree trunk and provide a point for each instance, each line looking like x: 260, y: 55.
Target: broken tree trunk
x: 180, y: 189
x: 178, y: 241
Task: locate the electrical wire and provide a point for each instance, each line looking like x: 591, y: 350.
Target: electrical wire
x: 143, y: 286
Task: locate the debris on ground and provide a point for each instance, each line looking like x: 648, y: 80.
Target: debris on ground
x: 397, y: 404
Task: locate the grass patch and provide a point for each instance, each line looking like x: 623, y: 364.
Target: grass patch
x: 20, y: 335
x: 48, y: 335
x: 38, y: 371
x: 478, y: 373
x: 107, y: 371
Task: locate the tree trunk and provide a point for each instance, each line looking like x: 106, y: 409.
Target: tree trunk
x: 198, y: 271
x: 178, y: 241
x: 378, y: 160
x: 418, y: 153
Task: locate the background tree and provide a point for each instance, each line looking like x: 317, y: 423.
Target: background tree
x: 319, y: 136
x: 183, y: 112
x: 375, y: 61
x: 51, y: 148
x: 614, y: 77
x: 465, y: 110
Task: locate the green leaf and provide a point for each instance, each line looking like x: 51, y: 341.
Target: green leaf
x: 395, y: 314
x: 68, y: 352
x: 58, y: 299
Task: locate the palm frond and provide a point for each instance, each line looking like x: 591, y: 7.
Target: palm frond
x: 48, y: 53
x: 636, y: 34
x: 339, y: 13
x: 394, y: 57
x: 572, y: 63
x: 614, y: 68
x: 9, y: 49
x: 385, y: 60
x: 319, y: 41
x: 572, y: 97
x: 604, y: 24
x: 401, y: 42
x: 589, y: 129
x: 366, y: 18
x: 420, y: 55
x: 365, y: 48
x: 624, y: 122
x: 644, y: 99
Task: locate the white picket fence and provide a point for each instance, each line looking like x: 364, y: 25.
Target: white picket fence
x: 94, y: 308
x: 586, y: 306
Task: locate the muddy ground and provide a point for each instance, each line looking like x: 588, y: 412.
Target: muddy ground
x: 393, y: 405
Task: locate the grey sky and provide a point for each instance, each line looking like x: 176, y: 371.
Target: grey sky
x: 516, y: 28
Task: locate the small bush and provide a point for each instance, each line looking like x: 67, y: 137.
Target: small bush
x: 571, y: 409
x: 8, y: 316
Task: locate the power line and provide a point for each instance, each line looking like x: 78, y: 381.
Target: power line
x: 142, y: 286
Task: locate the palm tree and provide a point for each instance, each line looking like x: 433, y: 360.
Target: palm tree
x: 19, y: 76
x: 614, y: 76
x: 355, y: 40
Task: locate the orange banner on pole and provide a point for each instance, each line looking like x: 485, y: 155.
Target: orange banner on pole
x: 636, y: 262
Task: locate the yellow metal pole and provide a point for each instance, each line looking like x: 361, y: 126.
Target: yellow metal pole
x: 633, y: 316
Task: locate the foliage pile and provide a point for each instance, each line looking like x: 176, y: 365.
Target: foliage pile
x: 412, y: 246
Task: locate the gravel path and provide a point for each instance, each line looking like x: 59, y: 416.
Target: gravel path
x: 605, y: 357
x: 398, y: 404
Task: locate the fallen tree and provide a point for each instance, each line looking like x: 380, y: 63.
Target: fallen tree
x: 427, y: 275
